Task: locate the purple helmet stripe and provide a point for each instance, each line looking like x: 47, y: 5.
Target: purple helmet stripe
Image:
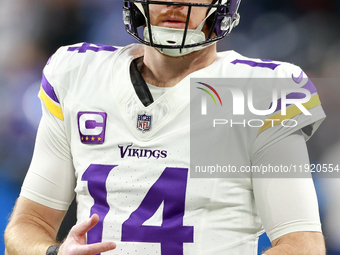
x: 47, y: 87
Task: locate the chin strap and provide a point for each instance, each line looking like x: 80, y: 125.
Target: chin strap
x: 174, y: 37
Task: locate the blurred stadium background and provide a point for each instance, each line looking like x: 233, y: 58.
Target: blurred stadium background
x: 304, y: 32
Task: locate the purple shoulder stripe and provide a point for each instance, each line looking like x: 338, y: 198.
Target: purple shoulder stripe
x: 255, y: 64
x: 310, y: 86
x: 95, y: 47
x: 47, y: 87
x: 296, y: 95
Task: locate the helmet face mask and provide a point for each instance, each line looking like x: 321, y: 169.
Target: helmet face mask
x: 220, y: 19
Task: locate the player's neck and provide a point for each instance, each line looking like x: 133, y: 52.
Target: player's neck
x: 164, y: 71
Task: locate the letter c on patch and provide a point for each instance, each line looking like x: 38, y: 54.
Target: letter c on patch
x: 91, y: 124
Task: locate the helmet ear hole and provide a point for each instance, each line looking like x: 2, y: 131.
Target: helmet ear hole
x: 225, y: 23
x: 214, y: 21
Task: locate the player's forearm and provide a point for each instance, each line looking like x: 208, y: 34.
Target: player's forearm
x: 32, y: 228
x: 289, y: 250
x: 299, y: 243
x: 27, y: 238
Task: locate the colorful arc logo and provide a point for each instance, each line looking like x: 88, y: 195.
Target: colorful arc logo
x: 209, y: 93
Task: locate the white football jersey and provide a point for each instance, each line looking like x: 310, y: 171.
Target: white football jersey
x: 130, y: 163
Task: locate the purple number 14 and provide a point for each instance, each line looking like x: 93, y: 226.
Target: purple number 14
x: 170, y: 189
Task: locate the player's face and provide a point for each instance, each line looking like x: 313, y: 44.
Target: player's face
x: 175, y: 16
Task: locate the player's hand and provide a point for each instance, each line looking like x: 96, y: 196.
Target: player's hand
x: 75, y: 242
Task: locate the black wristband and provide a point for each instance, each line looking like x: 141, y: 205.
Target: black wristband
x: 53, y: 250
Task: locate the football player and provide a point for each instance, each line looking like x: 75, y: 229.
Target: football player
x: 116, y: 131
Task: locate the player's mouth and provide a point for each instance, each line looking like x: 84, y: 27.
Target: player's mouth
x: 174, y: 22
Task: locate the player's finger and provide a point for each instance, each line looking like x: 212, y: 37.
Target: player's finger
x: 96, y: 248
x: 82, y: 228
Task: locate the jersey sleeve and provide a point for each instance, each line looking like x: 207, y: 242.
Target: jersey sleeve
x: 50, y: 179
x: 51, y: 176
x: 286, y: 205
x: 297, y: 107
x: 286, y: 202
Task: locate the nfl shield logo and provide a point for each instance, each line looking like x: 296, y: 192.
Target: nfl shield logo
x: 144, y: 122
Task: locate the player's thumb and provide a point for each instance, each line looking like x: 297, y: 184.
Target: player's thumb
x: 82, y: 228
